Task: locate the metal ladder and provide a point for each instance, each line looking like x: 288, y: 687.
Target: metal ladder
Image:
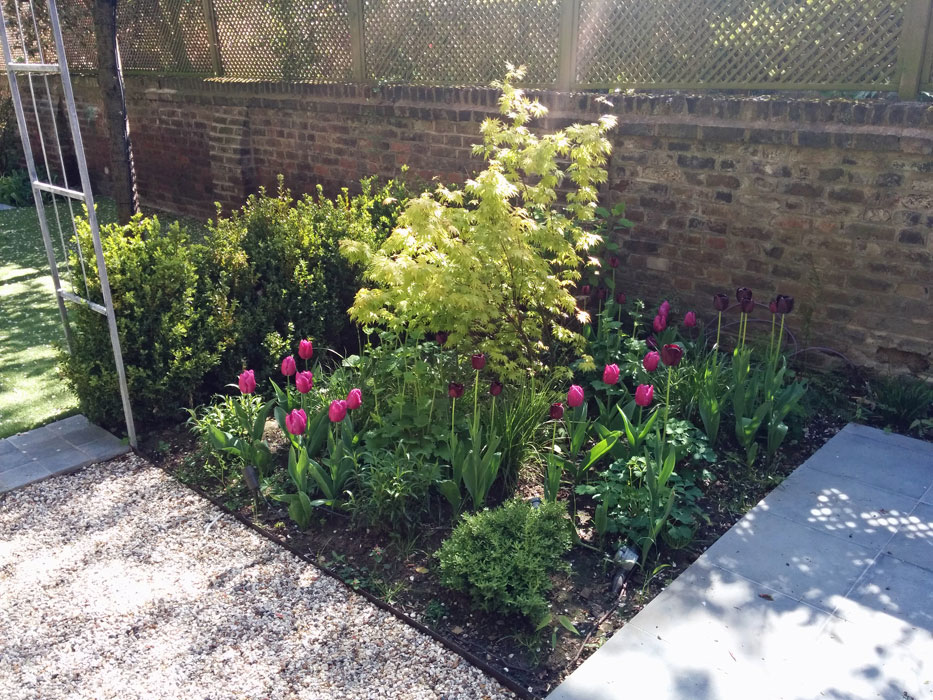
x: 15, y: 68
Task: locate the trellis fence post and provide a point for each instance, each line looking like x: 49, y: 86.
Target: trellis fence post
x: 568, y: 40
x: 213, y: 40
x: 357, y: 41
x: 912, y: 50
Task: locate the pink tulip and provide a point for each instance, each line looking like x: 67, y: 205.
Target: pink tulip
x: 611, y: 374
x: 354, y: 399
x: 337, y: 411
x: 690, y: 319
x: 665, y: 308
x: 296, y: 422
x: 288, y: 366
x: 650, y: 363
x: 304, y: 381
x: 305, y: 349
x: 247, y: 382
x: 644, y: 394
x: 575, y: 396
x: 660, y: 323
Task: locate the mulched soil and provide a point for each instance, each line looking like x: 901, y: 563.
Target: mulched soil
x: 399, y: 569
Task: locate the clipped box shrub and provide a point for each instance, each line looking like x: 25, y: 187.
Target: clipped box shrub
x: 174, y: 322
x: 503, y: 558
x: 278, y: 258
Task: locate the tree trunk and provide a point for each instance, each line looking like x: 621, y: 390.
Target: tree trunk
x: 110, y: 80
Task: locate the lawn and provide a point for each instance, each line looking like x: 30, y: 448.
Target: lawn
x: 31, y: 391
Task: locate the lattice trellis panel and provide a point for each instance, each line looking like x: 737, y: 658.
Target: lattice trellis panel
x: 77, y: 31
x: 163, y: 35
x: 305, y: 40
x: 460, y: 41
x: 740, y: 43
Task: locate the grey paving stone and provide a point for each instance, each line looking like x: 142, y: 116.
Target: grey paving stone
x: 66, y: 424
x: 732, y: 619
x: 65, y: 461
x: 6, y: 447
x: 914, y: 541
x: 928, y: 497
x: 30, y: 438
x: 12, y: 460
x: 887, y: 465
x: 26, y: 474
x: 908, y: 443
x: 104, y: 450
x: 794, y: 559
x: 50, y: 447
x: 894, y: 587
x: 82, y: 435
x: 840, y: 506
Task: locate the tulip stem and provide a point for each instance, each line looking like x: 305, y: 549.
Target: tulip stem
x: 476, y: 406
x: 771, y: 344
x: 667, y: 406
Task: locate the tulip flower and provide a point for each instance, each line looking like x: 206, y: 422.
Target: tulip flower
x: 455, y: 390
x: 585, y: 290
x: 747, y: 305
x: 304, y: 381
x: 337, y: 411
x: 671, y: 354
x: 644, y: 395
x: 651, y: 360
x: 660, y: 323
x: 611, y: 374
x: 665, y: 308
x: 288, y: 366
x: 721, y: 302
x: 557, y: 411
x: 772, y: 306
x: 602, y: 293
x: 785, y: 303
x: 690, y: 319
x: 743, y: 293
x: 305, y: 349
x: 354, y: 399
x: 440, y: 337
x: 247, y: 382
x: 478, y: 361
x: 651, y: 342
x: 296, y: 422
x: 614, y: 261
x: 495, y: 388
x: 575, y: 396
x: 620, y: 298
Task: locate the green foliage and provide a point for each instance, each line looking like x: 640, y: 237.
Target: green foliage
x: 503, y: 558
x: 15, y: 189
x: 174, y: 323
x: 903, y: 403
x: 278, y: 258
x: 393, y: 489
x: 493, y: 263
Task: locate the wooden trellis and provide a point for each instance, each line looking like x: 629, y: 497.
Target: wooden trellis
x: 877, y: 45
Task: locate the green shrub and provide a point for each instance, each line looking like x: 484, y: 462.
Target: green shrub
x: 15, y: 189
x: 393, y: 489
x: 174, y: 323
x: 278, y: 259
x: 503, y: 558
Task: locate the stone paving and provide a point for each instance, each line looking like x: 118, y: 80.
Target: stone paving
x: 57, y: 448
x: 823, y: 590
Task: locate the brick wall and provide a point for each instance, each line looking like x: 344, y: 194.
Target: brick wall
x: 831, y: 201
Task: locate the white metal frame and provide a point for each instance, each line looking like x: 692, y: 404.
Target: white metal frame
x: 43, y: 70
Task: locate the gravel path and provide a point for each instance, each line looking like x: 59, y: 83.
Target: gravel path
x: 118, y: 582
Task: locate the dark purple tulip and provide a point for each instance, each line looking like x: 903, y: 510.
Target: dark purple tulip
x: 747, y: 305
x: 585, y: 290
x: 478, y: 361
x: 785, y: 303
x: 602, y: 293
x: 495, y: 388
x: 614, y: 261
x: 671, y: 354
x: 743, y: 293
x: 440, y: 337
x: 557, y: 411
x: 651, y: 342
x: 772, y: 307
x: 620, y: 298
x: 455, y: 390
x: 721, y: 302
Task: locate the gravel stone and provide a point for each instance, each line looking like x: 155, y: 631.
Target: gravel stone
x: 118, y: 582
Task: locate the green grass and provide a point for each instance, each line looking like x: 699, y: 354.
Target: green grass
x: 31, y: 391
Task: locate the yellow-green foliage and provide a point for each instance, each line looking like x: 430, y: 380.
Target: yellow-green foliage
x: 493, y: 264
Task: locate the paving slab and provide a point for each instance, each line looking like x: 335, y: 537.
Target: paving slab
x: 823, y: 590
x: 58, y: 448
